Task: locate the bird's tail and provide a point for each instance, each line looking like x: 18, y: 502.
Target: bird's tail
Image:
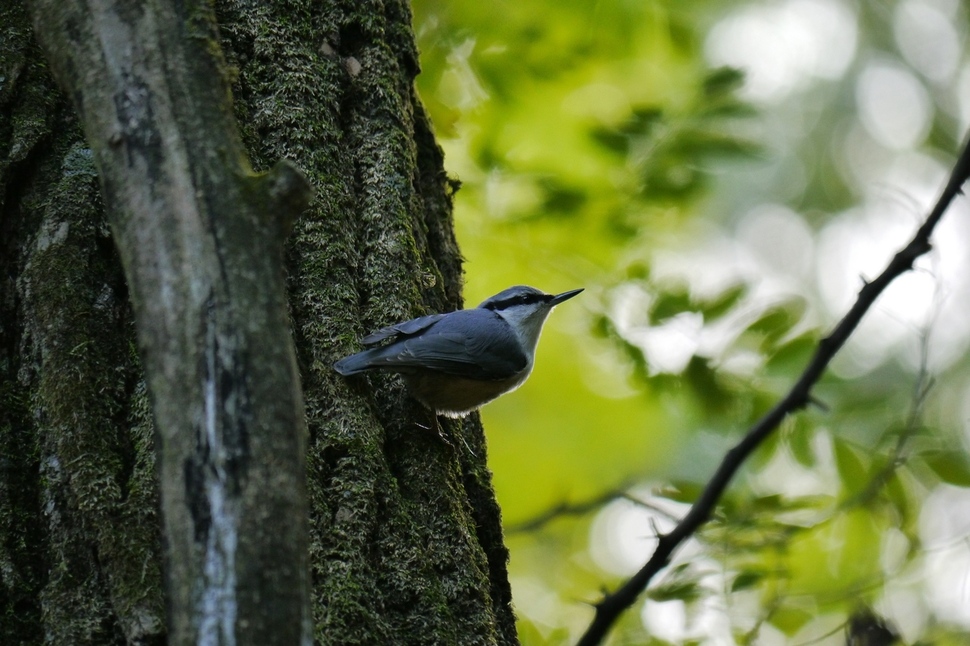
x: 354, y: 364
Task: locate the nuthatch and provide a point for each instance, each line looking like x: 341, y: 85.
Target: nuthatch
x: 454, y: 363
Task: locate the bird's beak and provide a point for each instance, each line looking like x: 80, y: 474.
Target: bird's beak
x: 565, y: 296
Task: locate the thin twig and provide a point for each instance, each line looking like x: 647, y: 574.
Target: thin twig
x: 566, y: 509
x: 614, y: 604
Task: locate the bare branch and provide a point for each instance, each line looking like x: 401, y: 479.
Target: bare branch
x: 614, y: 604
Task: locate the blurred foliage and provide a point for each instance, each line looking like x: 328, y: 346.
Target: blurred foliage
x: 609, y: 145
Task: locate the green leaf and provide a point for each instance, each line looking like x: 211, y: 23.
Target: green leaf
x: 793, y: 356
x: 680, y: 491
x: 775, y: 321
x: 669, y: 304
x: 724, y: 302
x: 723, y: 80
x: 771, y: 503
x: 952, y: 467
x: 644, y: 120
x: 670, y: 178
x: 789, y: 619
x: 638, y: 270
x: 704, y: 380
x: 613, y: 140
x: 714, y: 143
x: 853, y: 469
x: 799, y: 443
x: 675, y: 590
x: 681, y: 584
x: 747, y: 580
x: 560, y: 199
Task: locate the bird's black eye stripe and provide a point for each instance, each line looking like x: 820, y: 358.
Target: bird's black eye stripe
x: 518, y: 299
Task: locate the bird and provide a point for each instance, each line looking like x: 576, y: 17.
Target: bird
x: 456, y: 362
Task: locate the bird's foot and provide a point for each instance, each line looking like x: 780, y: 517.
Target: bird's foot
x: 440, y: 430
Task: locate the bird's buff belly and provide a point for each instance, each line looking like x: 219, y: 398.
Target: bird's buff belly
x: 457, y: 396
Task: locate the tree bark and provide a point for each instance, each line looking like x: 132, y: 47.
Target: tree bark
x: 405, y: 541
x: 201, y: 240
x: 79, y: 528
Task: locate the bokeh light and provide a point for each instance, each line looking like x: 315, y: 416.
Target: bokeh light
x: 784, y: 46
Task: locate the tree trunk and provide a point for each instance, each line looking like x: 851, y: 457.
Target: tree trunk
x: 405, y: 541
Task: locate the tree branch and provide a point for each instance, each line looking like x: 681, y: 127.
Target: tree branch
x: 614, y: 604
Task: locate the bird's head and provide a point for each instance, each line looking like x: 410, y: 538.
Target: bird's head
x: 525, y: 309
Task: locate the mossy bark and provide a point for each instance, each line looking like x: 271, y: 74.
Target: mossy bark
x: 405, y: 537
x: 200, y: 238
x: 79, y: 527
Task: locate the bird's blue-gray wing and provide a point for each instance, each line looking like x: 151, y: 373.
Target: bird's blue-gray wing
x: 369, y: 359
x: 407, y: 328
x: 476, y: 344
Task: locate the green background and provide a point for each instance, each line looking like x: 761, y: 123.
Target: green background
x: 720, y: 220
